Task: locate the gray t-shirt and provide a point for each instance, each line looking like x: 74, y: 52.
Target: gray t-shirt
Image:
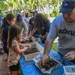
x: 65, y: 32
x: 23, y: 26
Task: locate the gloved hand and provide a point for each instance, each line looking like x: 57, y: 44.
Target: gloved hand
x: 45, y: 59
x: 70, y: 55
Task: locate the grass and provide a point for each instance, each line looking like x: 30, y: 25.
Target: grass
x: 54, y: 46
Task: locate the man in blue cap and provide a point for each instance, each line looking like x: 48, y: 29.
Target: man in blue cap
x: 62, y: 27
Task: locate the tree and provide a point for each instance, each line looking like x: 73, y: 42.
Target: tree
x: 28, y: 5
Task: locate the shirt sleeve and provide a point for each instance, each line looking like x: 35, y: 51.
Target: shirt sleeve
x: 52, y: 32
x: 25, y: 28
x: 14, y: 43
x: 30, y: 21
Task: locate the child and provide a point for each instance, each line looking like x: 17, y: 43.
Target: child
x: 8, y: 21
x: 14, y: 49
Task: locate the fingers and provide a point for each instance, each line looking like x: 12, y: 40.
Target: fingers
x: 69, y: 56
x: 28, y: 45
x: 44, y: 59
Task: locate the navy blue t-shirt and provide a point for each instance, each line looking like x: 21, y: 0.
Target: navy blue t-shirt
x: 45, y: 29
x: 31, y: 22
x: 42, y: 31
x: 4, y: 38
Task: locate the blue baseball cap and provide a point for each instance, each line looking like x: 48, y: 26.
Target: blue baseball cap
x: 67, y: 6
x: 34, y: 11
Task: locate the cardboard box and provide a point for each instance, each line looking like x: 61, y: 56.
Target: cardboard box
x: 32, y: 53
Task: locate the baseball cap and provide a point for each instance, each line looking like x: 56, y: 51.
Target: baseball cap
x: 67, y: 6
x: 34, y: 11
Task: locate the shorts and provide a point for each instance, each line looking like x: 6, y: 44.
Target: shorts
x: 14, y: 67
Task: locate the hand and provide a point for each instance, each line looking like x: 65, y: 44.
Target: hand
x: 36, y: 39
x: 25, y: 48
x: 45, y: 59
x: 28, y: 45
x: 69, y: 55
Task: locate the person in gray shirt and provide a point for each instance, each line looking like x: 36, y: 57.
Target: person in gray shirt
x: 62, y: 27
x: 22, y: 24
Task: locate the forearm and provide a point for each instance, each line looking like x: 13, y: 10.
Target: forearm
x: 20, y: 44
x: 48, y: 45
x: 23, y: 50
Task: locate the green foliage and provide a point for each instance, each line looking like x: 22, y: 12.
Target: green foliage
x: 54, y: 46
x: 54, y: 13
x: 28, y: 5
x: 45, y: 14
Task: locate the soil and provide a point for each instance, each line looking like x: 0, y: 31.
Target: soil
x: 30, y: 51
x: 26, y: 41
x: 51, y: 63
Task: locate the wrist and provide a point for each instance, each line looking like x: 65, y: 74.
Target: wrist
x: 46, y: 55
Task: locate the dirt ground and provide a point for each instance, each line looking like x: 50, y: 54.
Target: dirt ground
x: 4, y: 70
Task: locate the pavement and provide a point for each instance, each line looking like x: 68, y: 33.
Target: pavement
x: 4, y: 70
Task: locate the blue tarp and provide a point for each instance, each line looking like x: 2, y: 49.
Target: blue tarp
x: 29, y: 68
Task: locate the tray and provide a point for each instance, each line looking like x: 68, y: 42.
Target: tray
x: 49, y: 70
x: 69, y: 70
x: 34, y: 51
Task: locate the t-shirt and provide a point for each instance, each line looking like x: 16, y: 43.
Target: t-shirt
x: 27, y: 21
x: 13, y: 57
x: 4, y: 37
x: 1, y: 20
x: 31, y: 20
x: 31, y: 24
x: 23, y: 26
x: 43, y: 30
x: 65, y: 32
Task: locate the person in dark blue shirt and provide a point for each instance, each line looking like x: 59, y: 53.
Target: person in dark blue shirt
x: 43, y: 24
x: 1, y: 20
x: 31, y: 21
x: 8, y: 21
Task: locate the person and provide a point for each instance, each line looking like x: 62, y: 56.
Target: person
x: 15, y: 49
x: 1, y: 19
x: 8, y: 21
x: 27, y: 15
x: 42, y: 24
x: 22, y: 24
x: 23, y: 15
x: 31, y: 21
x: 63, y: 26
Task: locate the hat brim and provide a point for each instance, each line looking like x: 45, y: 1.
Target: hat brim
x: 65, y: 10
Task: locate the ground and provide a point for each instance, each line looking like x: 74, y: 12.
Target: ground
x: 4, y: 70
